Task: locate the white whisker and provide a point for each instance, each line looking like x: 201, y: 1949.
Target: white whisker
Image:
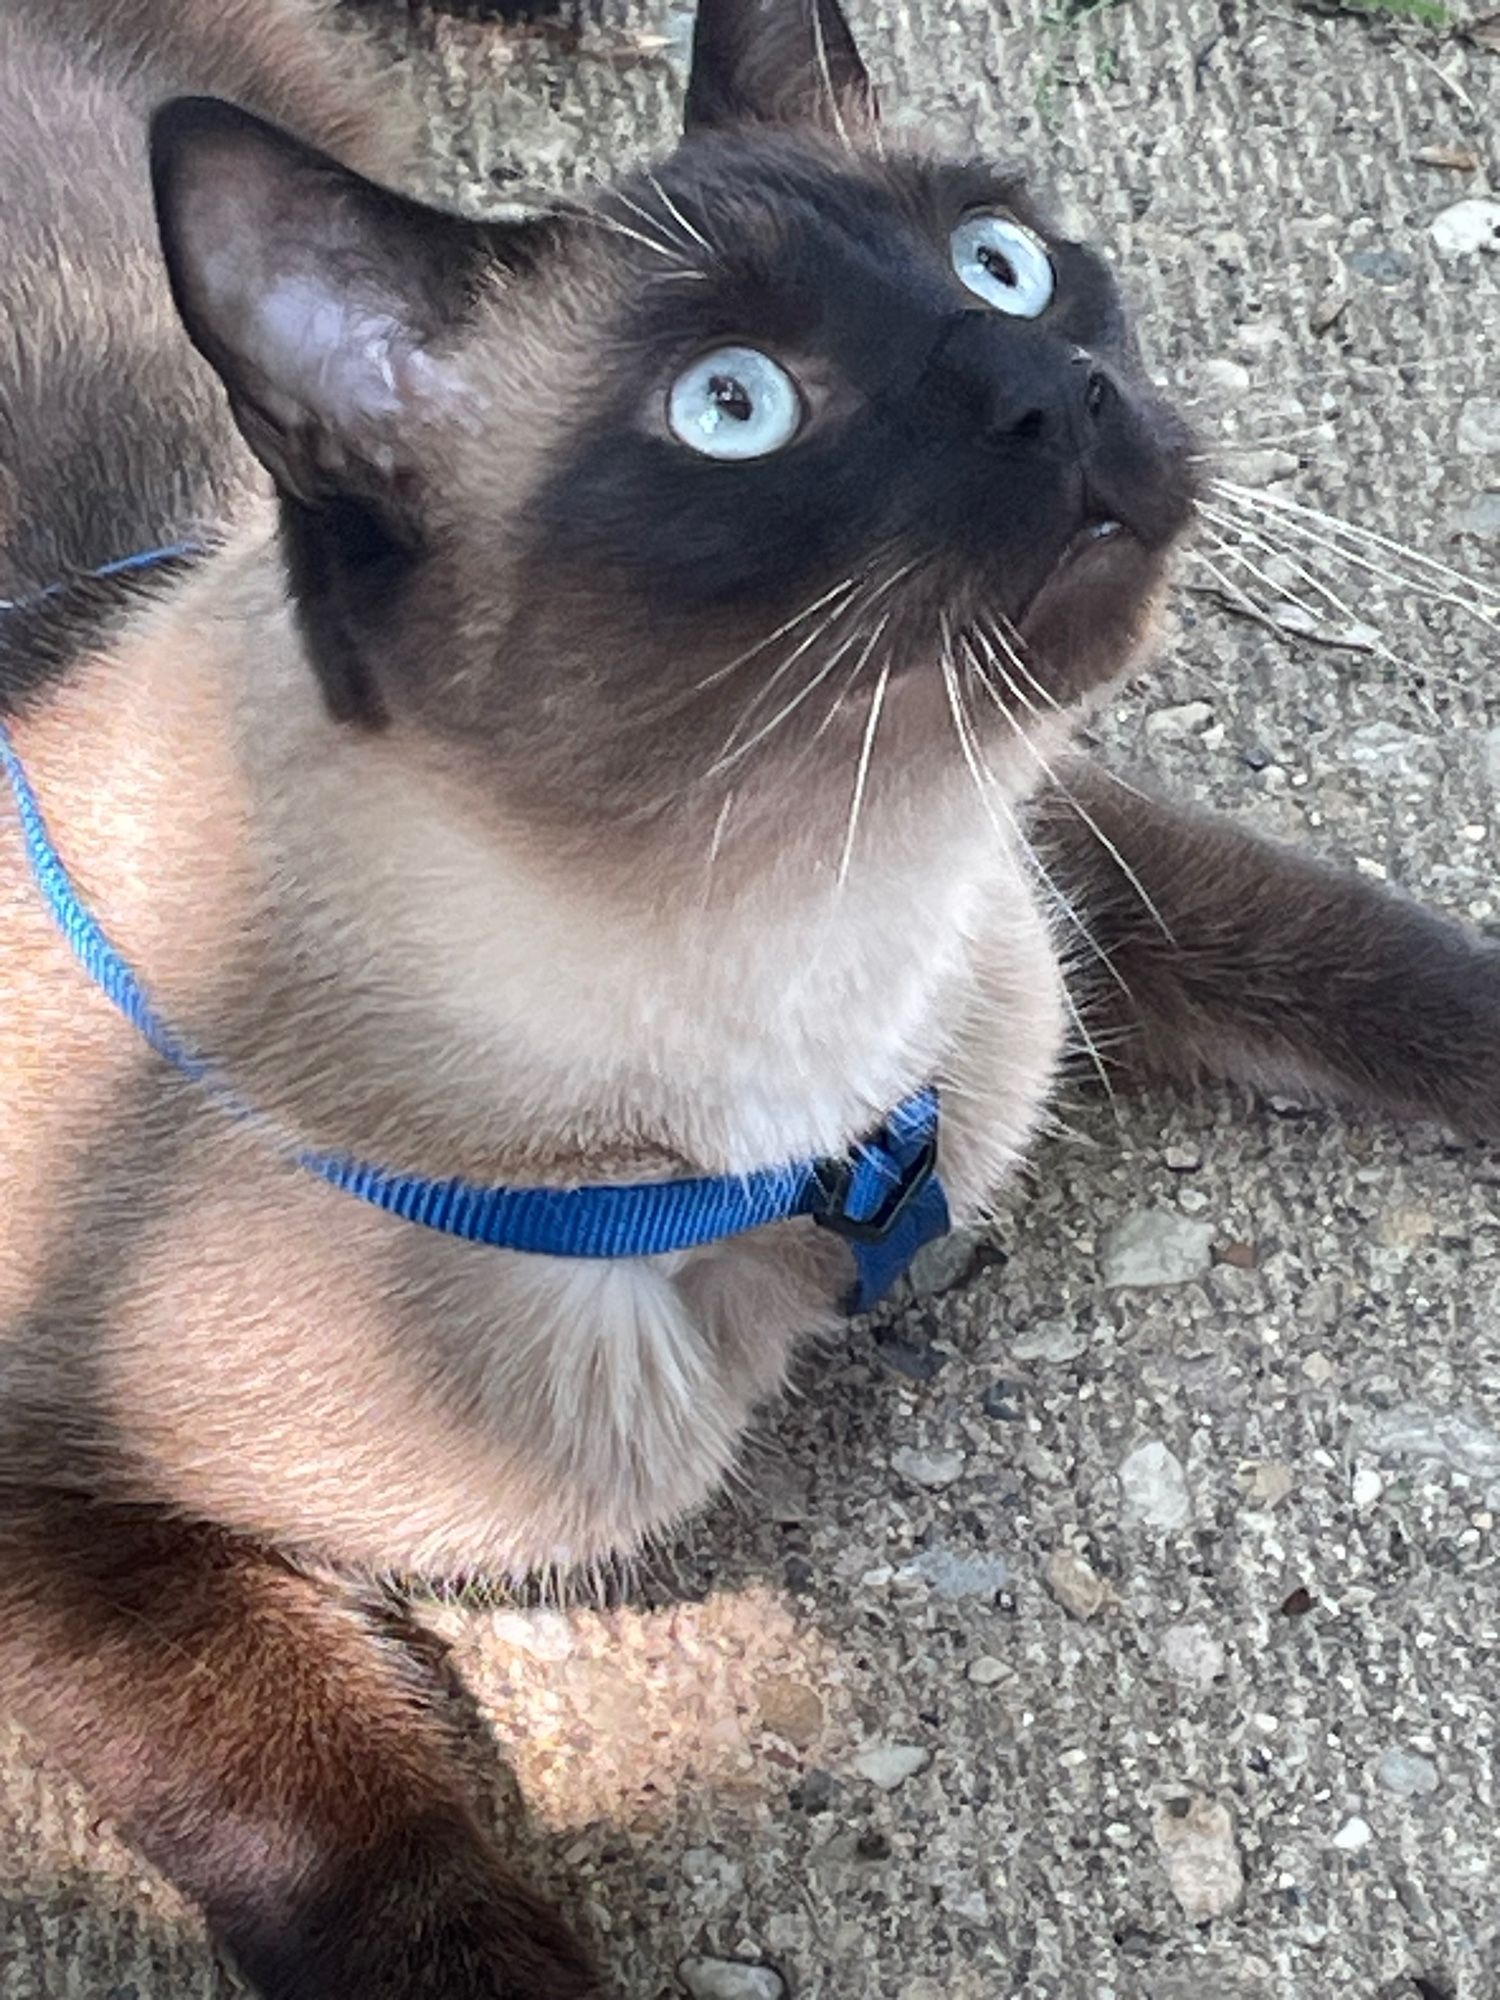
x: 866, y: 752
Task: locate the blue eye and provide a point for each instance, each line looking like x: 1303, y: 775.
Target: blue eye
x: 734, y: 403
x: 1004, y: 264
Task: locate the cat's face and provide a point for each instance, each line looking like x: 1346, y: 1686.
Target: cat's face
x: 649, y: 499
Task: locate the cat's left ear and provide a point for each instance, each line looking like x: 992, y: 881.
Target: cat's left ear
x: 776, y: 62
x: 324, y: 302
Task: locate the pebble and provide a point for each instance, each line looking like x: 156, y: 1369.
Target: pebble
x: 1354, y: 1834
x: 1268, y: 1482
x: 1263, y: 468
x: 986, y: 1671
x: 1467, y: 226
x: 1383, y: 267
x: 1456, y: 159
x: 933, y: 1469
x: 1154, y: 1488
x: 1479, y: 426
x: 954, y: 1576
x: 1078, y: 1588
x: 706, y: 1868
x: 1229, y: 378
x: 940, y: 1265
x: 545, y: 1635
x: 1183, y: 1159
x: 1480, y: 517
x: 1407, y: 1773
x: 1050, y: 1340
x: 890, y: 1764
x: 730, y: 1979
x: 1192, y: 1655
x: 1156, y: 1247
x: 1447, y: 1437
x: 1366, y: 1487
x: 792, y: 1709
x: 1183, y: 718
x: 1195, y: 1839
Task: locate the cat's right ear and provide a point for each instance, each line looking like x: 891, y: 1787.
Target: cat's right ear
x: 325, y: 303
x: 776, y: 62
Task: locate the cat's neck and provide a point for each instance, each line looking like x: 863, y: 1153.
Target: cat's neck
x: 397, y: 970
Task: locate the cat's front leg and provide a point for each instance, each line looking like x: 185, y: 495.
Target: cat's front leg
x: 276, y: 1750
x: 1238, y: 957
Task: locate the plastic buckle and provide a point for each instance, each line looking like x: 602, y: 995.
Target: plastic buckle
x: 836, y: 1179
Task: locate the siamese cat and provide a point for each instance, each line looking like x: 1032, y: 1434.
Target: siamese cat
x: 490, y: 708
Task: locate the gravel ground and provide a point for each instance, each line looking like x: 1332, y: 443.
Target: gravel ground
x: 1124, y: 1622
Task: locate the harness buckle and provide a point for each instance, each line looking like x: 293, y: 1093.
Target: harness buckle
x: 836, y: 1182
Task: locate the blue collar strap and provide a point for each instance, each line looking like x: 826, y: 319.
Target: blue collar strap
x: 885, y: 1199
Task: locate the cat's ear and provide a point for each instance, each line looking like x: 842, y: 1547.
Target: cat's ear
x: 321, y: 300
x: 776, y: 62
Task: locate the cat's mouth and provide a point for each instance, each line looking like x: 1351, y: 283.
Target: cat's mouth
x: 1093, y: 546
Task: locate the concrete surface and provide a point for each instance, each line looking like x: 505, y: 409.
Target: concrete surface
x: 1076, y: 1639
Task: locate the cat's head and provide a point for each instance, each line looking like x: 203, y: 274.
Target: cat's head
x: 662, y: 494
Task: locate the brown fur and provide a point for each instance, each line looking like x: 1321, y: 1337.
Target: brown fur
x: 405, y: 805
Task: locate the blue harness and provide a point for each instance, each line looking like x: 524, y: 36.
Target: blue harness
x: 884, y: 1198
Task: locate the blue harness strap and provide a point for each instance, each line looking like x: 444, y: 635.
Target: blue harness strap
x: 884, y: 1199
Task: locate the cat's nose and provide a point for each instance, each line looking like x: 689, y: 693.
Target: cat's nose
x: 1005, y: 387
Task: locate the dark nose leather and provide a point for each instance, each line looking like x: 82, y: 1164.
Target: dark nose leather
x: 1007, y: 386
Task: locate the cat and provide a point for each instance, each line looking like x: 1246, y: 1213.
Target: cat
x: 486, y: 699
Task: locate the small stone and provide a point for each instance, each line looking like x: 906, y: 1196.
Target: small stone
x: 916, y: 1362
x: 1329, y: 304
x: 1154, y: 1488
x: 791, y: 1709
x: 986, y: 1671
x: 945, y: 1262
x: 816, y: 1792
x: 1297, y: 1603
x: 1078, y: 1588
x: 1354, y: 1834
x: 1445, y: 1437
x: 705, y: 1868
x: 730, y: 1979
x: 890, y: 1764
x: 545, y: 1635
x: 1454, y: 159
x: 1183, y: 1159
x: 1479, y: 426
x: 1184, y: 718
x: 1195, y: 1839
x: 1268, y: 1482
x: 1237, y: 1253
x: 1383, y: 266
x: 1366, y: 1486
x: 1230, y: 378
x: 1192, y: 1655
x: 1407, y: 1773
x: 1318, y: 1368
x: 1480, y: 517
x: 933, y: 1469
x: 953, y: 1576
x: 1156, y: 1247
x: 1050, y: 1340
x: 873, y: 1845
x: 1001, y: 1402
x: 1467, y: 227
x: 1264, y: 468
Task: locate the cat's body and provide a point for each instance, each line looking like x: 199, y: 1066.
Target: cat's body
x: 434, y: 806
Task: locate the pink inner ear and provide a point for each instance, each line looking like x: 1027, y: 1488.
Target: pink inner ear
x: 336, y: 355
